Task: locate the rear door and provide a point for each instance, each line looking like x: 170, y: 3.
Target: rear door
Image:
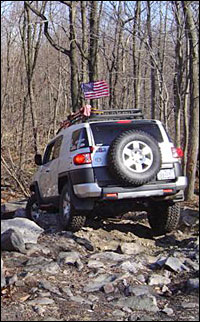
x: 48, y: 179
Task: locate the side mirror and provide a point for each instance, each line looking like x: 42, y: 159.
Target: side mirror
x: 38, y: 159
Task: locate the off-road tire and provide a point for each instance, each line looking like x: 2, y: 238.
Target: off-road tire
x: 71, y: 221
x: 32, y: 200
x: 163, y: 218
x: 134, y: 157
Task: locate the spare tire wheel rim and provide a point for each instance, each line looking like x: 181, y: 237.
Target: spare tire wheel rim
x: 137, y: 156
x: 66, y: 206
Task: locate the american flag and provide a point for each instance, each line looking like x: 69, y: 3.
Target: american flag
x: 95, y: 89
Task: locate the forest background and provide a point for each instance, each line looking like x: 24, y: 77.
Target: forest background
x: 147, y: 51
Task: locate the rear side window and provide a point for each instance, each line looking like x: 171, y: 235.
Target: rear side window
x: 52, y: 150
x: 105, y: 133
x: 79, y: 140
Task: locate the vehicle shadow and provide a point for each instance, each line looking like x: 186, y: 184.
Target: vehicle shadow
x: 138, y: 229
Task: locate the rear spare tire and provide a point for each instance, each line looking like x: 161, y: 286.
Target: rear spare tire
x: 134, y: 157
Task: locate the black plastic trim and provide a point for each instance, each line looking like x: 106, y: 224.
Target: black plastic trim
x: 81, y: 176
x: 140, y: 188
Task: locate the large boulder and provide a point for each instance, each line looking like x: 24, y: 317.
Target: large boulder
x: 27, y: 229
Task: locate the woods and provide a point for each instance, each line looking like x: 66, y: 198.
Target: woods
x: 147, y: 51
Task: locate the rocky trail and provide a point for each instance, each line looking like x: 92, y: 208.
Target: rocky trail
x: 111, y: 270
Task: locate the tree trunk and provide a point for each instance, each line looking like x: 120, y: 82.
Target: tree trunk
x: 137, y: 56
x: 93, y: 48
x: 194, y: 100
x: 178, y: 78
x: 75, y: 91
x: 153, y: 86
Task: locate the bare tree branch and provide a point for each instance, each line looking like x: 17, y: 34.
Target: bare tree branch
x: 46, y: 32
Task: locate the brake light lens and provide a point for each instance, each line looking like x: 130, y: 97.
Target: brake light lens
x: 177, y: 152
x: 124, y: 121
x: 82, y: 158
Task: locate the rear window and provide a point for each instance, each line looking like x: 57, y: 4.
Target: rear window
x: 105, y: 133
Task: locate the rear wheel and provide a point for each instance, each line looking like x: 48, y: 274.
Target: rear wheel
x: 68, y: 217
x: 163, y: 217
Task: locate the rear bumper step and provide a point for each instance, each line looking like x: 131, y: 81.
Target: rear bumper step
x: 87, y: 190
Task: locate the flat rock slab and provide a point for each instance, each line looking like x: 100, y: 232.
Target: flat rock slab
x: 97, y: 283
x: 12, y: 206
x: 142, y: 302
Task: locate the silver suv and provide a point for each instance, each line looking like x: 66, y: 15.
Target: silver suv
x: 110, y: 162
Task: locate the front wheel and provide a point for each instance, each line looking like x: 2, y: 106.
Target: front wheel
x: 163, y: 217
x: 32, y: 208
x: 68, y: 217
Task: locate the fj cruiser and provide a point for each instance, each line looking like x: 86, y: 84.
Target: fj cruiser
x: 110, y: 158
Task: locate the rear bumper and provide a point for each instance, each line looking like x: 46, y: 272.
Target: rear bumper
x: 88, y: 190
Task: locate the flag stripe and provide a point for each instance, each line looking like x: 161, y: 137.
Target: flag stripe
x: 95, y: 89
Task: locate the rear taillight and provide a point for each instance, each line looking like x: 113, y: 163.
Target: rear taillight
x: 82, y: 158
x: 177, y: 152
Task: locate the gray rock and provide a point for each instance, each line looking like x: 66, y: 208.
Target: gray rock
x: 12, y: 280
x: 156, y: 279
x: 97, y: 283
x: 39, y: 310
x: 66, y: 290
x: 175, y: 264
x: 50, y: 318
x: 37, y: 260
x: 41, y: 301
x: 42, y: 264
x: 51, y: 268
x: 190, y: 221
x: 118, y: 313
x: 190, y: 263
x: 192, y: 284
x: 140, y: 290
x: 95, y: 264
x: 80, y: 299
x: 134, y: 317
x: 33, y: 248
x: 84, y: 242
x: 189, y: 305
x: 70, y: 258
x: 3, y: 280
x: 28, y: 229
x: 13, y: 206
x: 168, y: 311
x: 190, y: 217
x: 12, y: 240
x: 141, y: 278
x: 131, y: 248
x: 143, y: 302
x: 110, y: 257
x: 108, y: 288
x: 131, y: 267
x: 21, y: 212
x: 160, y: 262
x: 3, y: 208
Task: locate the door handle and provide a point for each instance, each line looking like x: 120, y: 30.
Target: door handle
x: 47, y: 170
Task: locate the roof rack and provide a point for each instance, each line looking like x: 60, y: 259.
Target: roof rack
x: 87, y: 113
